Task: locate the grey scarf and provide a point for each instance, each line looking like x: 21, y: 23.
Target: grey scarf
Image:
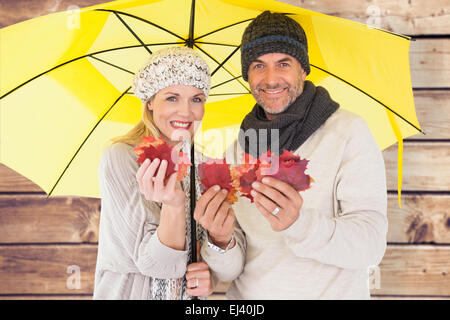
x: 302, y: 118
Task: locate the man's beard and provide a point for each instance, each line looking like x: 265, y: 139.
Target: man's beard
x: 293, y: 94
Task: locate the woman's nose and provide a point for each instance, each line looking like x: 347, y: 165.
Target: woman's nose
x: 184, y: 109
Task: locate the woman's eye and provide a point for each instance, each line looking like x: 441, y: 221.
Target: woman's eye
x: 197, y: 100
x: 172, y: 99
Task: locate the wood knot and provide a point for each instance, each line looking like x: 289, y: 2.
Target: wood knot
x: 421, y: 233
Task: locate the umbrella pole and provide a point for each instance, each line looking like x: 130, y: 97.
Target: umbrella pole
x: 190, y: 44
x: 193, y: 224
x: 193, y: 198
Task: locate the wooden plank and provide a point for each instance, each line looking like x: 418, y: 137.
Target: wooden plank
x: 430, y: 63
x: 15, y: 11
x: 421, y: 219
x: 47, y: 269
x: 401, y: 16
x: 429, y: 58
x: 35, y: 269
x: 415, y: 270
x: 434, y: 115
x: 433, y: 112
x: 418, y: 158
x: 34, y: 218
x: 425, y: 166
x: 407, y: 270
x: 12, y: 181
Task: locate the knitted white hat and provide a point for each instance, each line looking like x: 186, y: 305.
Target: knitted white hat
x: 171, y: 66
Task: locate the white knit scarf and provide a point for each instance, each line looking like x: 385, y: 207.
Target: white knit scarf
x: 175, y: 289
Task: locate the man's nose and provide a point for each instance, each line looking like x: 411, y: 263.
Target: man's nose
x: 271, y: 77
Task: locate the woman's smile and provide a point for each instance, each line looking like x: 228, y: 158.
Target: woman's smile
x: 180, y: 124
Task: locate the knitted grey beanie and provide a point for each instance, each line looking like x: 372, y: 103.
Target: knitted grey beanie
x: 171, y: 66
x: 273, y: 32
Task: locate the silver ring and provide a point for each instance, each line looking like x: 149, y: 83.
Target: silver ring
x: 196, y: 282
x: 275, y: 211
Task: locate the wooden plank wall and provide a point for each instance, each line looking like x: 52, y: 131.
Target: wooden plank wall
x: 42, y: 241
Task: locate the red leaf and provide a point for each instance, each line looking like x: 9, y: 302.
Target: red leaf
x: 244, y: 175
x: 152, y: 148
x: 291, y: 169
x: 217, y: 172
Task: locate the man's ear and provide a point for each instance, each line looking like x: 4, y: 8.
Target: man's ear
x: 303, y: 73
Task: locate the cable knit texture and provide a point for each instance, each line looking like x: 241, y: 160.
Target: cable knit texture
x: 168, y: 67
x: 132, y: 263
x: 273, y: 32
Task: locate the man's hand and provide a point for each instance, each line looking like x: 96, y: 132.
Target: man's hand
x: 198, y: 279
x: 214, y: 213
x: 273, y: 193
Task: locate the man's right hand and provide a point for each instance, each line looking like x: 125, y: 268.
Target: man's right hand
x: 215, y: 214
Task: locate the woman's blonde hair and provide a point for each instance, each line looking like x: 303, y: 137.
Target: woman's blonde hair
x: 145, y: 127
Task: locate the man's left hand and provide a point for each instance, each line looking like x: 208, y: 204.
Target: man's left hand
x: 273, y: 193
x: 198, y: 278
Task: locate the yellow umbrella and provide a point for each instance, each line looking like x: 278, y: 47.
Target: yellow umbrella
x: 65, y: 79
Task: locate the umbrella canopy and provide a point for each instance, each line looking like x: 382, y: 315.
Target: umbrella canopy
x: 65, y: 80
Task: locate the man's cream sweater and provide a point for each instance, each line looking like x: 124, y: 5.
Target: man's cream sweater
x: 340, y: 233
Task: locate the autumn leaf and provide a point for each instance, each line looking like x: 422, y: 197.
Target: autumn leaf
x: 152, y: 148
x: 217, y: 172
x: 244, y: 175
x: 288, y: 167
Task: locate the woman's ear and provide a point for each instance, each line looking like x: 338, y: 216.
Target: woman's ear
x: 150, y: 105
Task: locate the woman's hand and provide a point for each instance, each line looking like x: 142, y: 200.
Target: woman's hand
x: 150, y: 177
x: 198, y: 278
x: 214, y: 213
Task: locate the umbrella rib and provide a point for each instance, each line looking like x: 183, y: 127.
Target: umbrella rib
x: 224, y: 61
x: 212, y: 58
x: 132, y: 32
x: 218, y: 44
x: 220, y: 29
x: 82, y: 144
x: 78, y: 58
x: 111, y: 64
x: 375, y: 99
x: 143, y: 20
x: 225, y: 82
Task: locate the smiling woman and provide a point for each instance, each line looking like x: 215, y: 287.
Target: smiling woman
x: 175, y: 109
x: 144, y: 251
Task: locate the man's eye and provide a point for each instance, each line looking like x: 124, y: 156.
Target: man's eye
x: 284, y: 64
x: 258, y: 66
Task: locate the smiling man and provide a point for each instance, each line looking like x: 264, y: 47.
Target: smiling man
x: 318, y: 243
x: 276, y: 82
